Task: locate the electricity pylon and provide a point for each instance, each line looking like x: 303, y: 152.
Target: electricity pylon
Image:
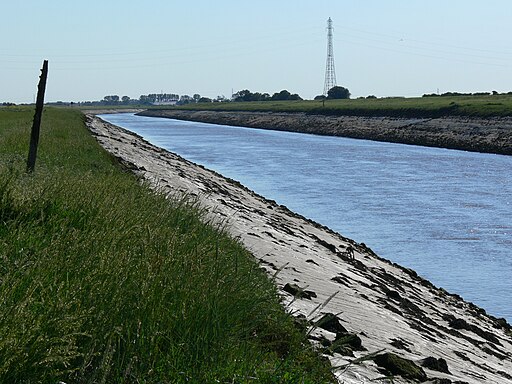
x: 330, y: 73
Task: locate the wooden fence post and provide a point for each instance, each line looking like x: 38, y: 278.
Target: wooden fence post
x: 34, y: 135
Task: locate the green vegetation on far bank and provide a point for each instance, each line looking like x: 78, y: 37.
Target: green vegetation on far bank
x: 424, y: 107
x: 103, y: 280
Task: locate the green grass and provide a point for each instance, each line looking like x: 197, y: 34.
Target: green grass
x: 474, y: 106
x: 104, y: 281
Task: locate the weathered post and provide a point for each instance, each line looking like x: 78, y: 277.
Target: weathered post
x: 34, y: 135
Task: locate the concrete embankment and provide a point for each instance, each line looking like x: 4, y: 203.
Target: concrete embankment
x: 491, y: 135
x: 371, y: 318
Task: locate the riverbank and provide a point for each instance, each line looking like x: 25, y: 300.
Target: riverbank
x: 488, y: 135
x: 102, y: 280
x: 377, y: 307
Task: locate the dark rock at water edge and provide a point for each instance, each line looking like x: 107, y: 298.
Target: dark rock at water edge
x: 346, y: 343
x: 298, y: 292
x: 439, y: 365
x: 396, y: 365
x: 331, y: 323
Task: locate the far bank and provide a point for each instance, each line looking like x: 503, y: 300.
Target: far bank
x: 487, y: 135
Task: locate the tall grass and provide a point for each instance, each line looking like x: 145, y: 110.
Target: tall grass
x: 103, y: 280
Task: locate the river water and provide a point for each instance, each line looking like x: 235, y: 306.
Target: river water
x: 446, y: 214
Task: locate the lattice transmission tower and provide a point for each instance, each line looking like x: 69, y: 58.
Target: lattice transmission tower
x: 330, y: 73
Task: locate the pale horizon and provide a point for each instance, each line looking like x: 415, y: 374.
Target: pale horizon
x: 126, y: 48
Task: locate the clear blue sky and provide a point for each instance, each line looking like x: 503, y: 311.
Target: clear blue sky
x: 125, y: 47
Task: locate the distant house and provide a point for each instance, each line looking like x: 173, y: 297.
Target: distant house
x: 165, y: 102
x: 163, y: 99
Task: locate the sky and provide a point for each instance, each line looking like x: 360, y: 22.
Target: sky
x: 215, y: 47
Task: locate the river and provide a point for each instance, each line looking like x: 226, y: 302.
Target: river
x: 446, y: 214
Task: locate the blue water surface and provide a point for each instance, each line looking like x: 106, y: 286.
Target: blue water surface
x: 446, y: 214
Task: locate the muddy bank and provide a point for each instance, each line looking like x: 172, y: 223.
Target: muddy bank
x: 492, y: 135
x: 369, y: 316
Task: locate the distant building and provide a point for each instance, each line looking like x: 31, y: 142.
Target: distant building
x: 165, y: 102
x: 166, y: 99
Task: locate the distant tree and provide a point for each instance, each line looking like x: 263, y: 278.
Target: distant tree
x: 257, y: 96
x: 320, y: 97
x: 159, y: 97
x: 196, y: 97
x: 144, y: 99
x: 204, y: 100
x: 371, y: 97
x: 185, y: 99
x: 283, y: 95
x: 243, y: 95
x: 452, y: 94
x: 246, y: 95
x: 125, y: 99
x: 111, y: 99
x: 338, y: 92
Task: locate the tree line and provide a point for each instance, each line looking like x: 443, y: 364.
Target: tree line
x: 176, y: 99
x: 451, y: 94
x: 246, y: 95
x: 336, y: 92
x: 159, y: 98
x: 240, y: 96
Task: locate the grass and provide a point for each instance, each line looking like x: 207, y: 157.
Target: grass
x: 474, y: 106
x: 104, y: 281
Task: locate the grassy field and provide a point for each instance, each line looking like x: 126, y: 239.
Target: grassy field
x: 474, y: 106
x: 104, y: 281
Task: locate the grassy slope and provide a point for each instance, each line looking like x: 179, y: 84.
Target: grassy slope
x: 475, y: 106
x: 102, y: 280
